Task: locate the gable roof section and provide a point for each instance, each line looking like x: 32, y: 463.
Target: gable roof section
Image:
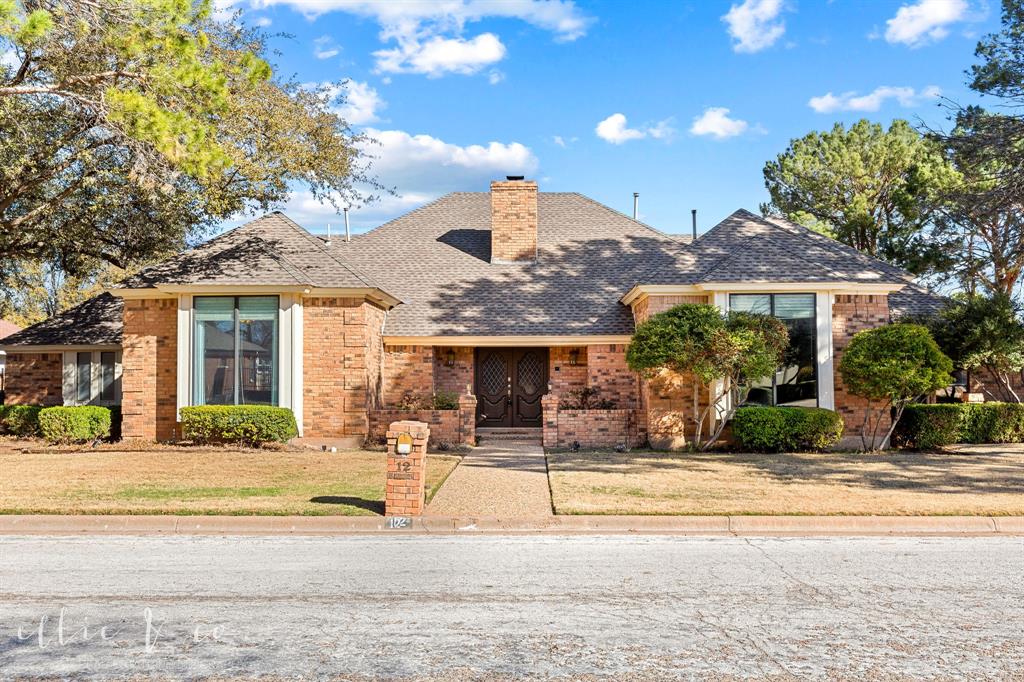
x: 914, y: 300
x: 750, y: 249
x: 269, y: 251
x: 437, y: 260
x: 96, y: 322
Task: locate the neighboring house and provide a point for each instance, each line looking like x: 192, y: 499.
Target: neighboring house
x: 514, y: 297
x: 6, y: 329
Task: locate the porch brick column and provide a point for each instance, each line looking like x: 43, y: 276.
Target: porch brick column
x: 149, y: 358
x: 406, y: 473
x: 549, y: 406
x: 467, y: 418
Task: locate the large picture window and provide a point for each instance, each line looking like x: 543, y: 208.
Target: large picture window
x: 796, y: 381
x: 235, y: 358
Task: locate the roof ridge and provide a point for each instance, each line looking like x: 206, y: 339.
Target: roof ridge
x: 319, y: 245
x: 286, y: 263
x: 608, y: 208
x: 416, y: 210
x: 806, y: 233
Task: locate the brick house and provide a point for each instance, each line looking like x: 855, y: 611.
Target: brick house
x: 509, y: 299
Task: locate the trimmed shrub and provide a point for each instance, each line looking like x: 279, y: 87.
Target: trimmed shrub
x: 780, y: 429
x: 20, y: 420
x: 445, y: 400
x: 74, y: 424
x: 246, y: 424
x: 928, y: 427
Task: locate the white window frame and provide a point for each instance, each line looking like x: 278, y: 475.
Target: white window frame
x: 70, y: 377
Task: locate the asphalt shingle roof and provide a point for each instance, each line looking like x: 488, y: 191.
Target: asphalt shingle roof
x: 272, y: 250
x: 437, y: 260
x: 749, y: 248
x: 915, y: 301
x: 96, y: 322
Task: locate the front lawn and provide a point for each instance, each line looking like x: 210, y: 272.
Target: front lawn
x: 985, y: 480
x: 200, y: 481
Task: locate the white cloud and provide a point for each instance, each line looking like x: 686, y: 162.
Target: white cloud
x: 755, y: 24
x: 437, y: 56
x: 560, y: 17
x: 362, y: 103
x: 924, y: 21
x: 10, y: 59
x: 325, y: 48
x: 420, y: 168
x: 428, y: 34
x: 495, y: 77
x: 428, y: 165
x: 263, y: 22
x: 715, y: 121
x: 614, y: 129
x: 874, y: 100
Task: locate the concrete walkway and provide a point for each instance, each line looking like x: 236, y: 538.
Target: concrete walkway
x: 501, y: 479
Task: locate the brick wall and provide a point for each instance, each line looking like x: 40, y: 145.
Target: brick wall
x: 455, y: 378
x: 852, y: 314
x: 149, y: 385
x: 34, y: 379
x: 513, y: 220
x: 562, y: 376
x: 600, y: 428
x: 652, y: 305
x: 445, y: 425
x: 608, y: 372
x: 408, y: 370
x: 341, y: 365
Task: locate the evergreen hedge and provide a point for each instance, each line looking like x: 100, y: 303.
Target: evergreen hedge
x: 782, y: 429
x: 20, y: 420
x: 74, y: 424
x: 246, y: 424
x: 927, y: 427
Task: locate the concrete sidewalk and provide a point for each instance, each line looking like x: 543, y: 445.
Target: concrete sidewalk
x: 505, y: 479
x: 753, y: 526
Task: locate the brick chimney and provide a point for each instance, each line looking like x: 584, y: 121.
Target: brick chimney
x: 513, y: 220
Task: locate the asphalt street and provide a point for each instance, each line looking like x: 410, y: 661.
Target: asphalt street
x: 511, y: 607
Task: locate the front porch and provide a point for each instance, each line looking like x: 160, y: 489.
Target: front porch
x: 510, y: 387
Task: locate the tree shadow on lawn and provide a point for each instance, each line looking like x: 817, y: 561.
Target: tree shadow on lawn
x: 908, y: 471
x: 375, y: 506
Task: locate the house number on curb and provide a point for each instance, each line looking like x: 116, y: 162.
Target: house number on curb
x: 399, y: 522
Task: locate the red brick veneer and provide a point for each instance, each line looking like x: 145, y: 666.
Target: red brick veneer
x: 149, y: 360
x: 34, y: 379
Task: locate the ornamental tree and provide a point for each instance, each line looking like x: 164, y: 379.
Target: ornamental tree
x: 723, y: 352
x: 983, y: 333
x: 129, y: 127
x: 890, y: 366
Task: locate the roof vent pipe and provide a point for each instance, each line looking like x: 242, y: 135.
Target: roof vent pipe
x: 693, y: 213
x: 636, y: 205
x: 348, y: 233
x: 328, y: 240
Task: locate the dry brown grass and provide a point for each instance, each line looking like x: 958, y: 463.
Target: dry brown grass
x: 179, y: 480
x: 983, y: 480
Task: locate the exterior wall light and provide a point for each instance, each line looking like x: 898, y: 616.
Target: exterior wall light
x: 574, y: 357
x: 449, y: 357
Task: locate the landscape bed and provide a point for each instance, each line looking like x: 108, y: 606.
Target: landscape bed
x: 200, y: 481
x: 973, y: 480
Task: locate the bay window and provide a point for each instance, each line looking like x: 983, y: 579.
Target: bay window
x: 235, y: 354
x: 796, y: 381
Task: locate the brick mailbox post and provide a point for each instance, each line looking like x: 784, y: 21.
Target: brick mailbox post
x: 407, y: 468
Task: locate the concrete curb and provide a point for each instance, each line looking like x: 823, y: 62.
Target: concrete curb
x: 552, y: 525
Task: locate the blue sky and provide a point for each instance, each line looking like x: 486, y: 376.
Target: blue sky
x: 682, y: 102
